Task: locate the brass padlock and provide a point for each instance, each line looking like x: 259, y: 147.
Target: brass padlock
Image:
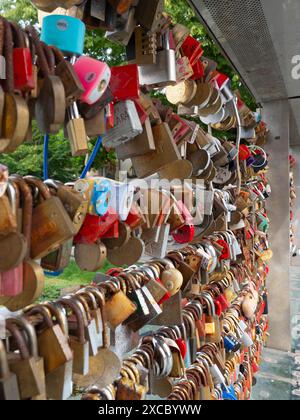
x: 114, y: 303
x: 59, y: 385
x: 78, y: 342
x: 53, y: 344
x: 51, y: 224
x: 90, y: 329
x: 27, y: 366
x: 74, y: 203
x: 76, y: 132
x: 9, y: 390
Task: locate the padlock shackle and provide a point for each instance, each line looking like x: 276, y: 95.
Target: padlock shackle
x: 44, y: 312
x: 31, y: 335
x: 78, y: 310
x: 58, y: 312
x: 41, y: 57
x: 13, y: 327
x: 37, y: 183
x: 27, y: 209
x: 87, y: 311
x: 18, y: 36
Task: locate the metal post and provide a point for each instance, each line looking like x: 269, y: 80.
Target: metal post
x: 276, y: 115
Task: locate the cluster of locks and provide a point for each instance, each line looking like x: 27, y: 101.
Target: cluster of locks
x: 190, y: 226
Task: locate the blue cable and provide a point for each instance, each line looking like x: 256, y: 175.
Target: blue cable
x: 45, y: 162
x: 53, y: 274
x: 92, y: 158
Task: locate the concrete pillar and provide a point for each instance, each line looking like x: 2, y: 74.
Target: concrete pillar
x: 276, y: 115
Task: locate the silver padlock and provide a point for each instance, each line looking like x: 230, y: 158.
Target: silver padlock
x: 127, y: 125
x: 163, y: 73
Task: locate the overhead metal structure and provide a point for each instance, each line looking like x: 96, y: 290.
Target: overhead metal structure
x: 261, y: 39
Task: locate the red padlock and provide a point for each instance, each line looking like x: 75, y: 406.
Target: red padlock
x: 226, y: 251
x: 115, y: 271
x: 218, y: 308
x: 95, y: 227
x: 220, y: 79
x: 182, y: 347
x: 124, y: 82
x: 198, y: 70
x: 244, y: 152
x: 191, y: 48
x: 187, y: 232
x: 22, y: 62
x: 223, y: 302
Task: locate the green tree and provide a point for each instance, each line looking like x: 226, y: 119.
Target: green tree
x: 28, y: 159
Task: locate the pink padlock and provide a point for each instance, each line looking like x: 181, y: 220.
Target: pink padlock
x: 11, y: 283
x: 95, y: 77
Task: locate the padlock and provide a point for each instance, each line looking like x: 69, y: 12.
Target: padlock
x: 172, y: 279
x: 231, y: 343
x: 53, y: 344
x: 163, y: 73
x: 12, y: 280
x: 127, y: 125
x: 124, y: 82
x: 114, y: 315
x: 76, y: 132
x: 166, y: 153
x: 95, y: 77
x: 51, y: 224
x: 90, y: 329
x: 49, y: 107
x: 9, y: 390
x: 147, y: 309
x: 59, y: 385
x: 97, y: 302
x: 78, y: 342
x: 15, y: 112
x: 11, y: 263
x: 139, y: 145
x: 65, y: 71
x: 94, y: 227
x: 212, y: 321
x: 23, y: 71
x: 64, y: 32
x: 142, y: 48
x: 28, y: 367
x: 33, y: 276
x: 90, y: 257
x: 8, y: 220
x: 191, y: 48
x: 74, y: 203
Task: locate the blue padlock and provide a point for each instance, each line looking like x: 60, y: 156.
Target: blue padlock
x: 231, y: 343
x: 101, y: 196
x: 64, y: 32
x: 229, y: 394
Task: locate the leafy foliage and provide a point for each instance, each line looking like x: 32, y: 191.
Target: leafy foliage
x: 28, y: 159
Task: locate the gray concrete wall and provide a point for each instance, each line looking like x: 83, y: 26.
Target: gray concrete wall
x: 276, y: 115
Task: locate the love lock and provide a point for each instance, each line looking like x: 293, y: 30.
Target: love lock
x: 186, y: 233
